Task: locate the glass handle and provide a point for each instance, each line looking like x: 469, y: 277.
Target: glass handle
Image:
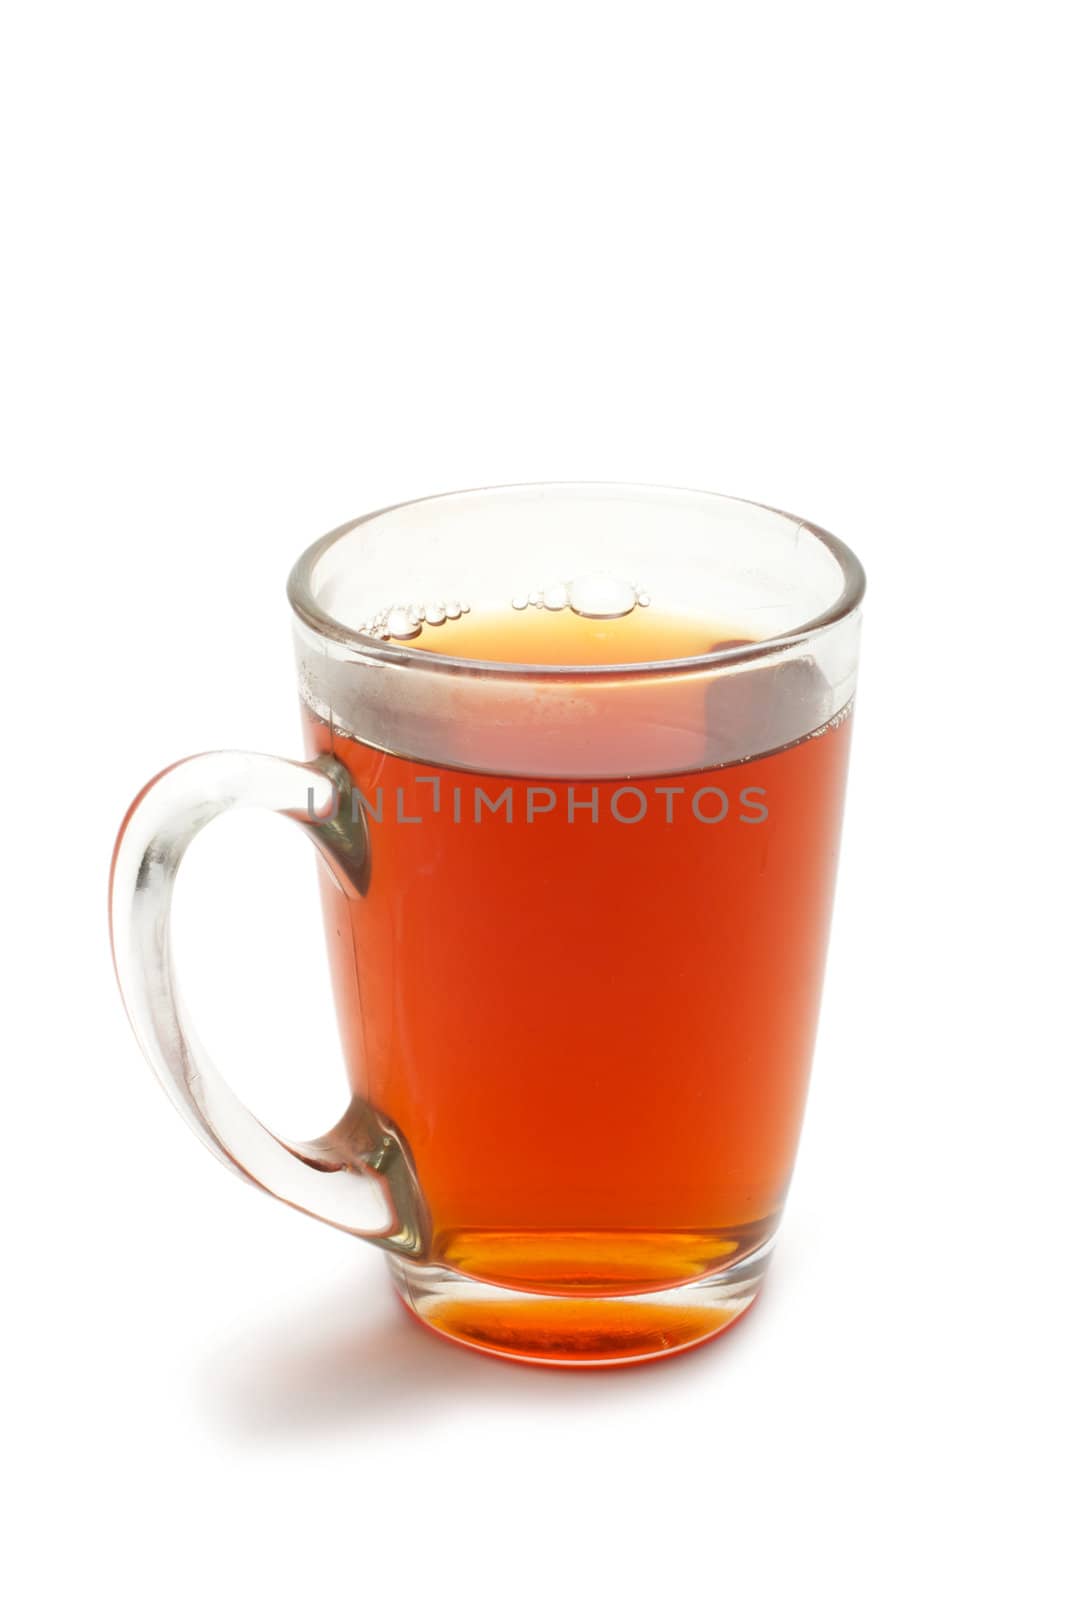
x: 357, y: 1177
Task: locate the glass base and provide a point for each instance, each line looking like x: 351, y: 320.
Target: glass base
x: 578, y: 1330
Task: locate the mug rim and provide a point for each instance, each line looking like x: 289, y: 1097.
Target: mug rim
x: 389, y: 652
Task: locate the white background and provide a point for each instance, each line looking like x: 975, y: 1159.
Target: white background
x: 271, y: 266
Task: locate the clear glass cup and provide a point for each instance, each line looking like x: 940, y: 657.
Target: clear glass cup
x: 576, y: 757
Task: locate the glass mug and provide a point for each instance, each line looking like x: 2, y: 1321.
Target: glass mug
x: 576, y: 764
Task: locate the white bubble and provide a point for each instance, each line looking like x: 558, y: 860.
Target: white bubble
x: 556, y: 597
x: 643, y: 599
x: 453, y: 609
x: 520, y: 602
x: 435, y: 615
x: 401, y: 624
x: 598, y: 594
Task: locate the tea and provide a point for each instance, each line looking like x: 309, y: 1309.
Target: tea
x: 578, y: 850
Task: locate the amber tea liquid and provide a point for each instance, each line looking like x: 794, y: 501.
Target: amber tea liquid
x: 592, y: 1019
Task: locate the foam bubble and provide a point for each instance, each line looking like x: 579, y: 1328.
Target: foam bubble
x: 598, y: 594
x: 401, y: 624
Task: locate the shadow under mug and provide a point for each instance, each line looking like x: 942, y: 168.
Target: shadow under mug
x: 576, y: 905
